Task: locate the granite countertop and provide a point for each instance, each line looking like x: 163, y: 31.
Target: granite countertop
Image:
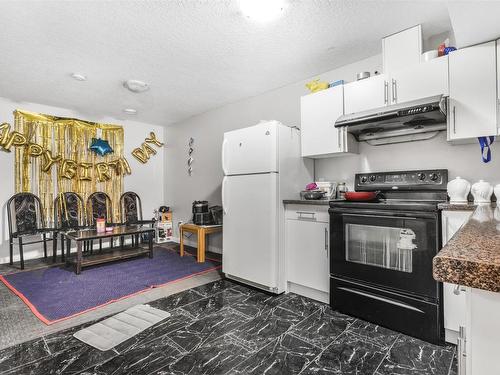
x: 316, y: 202
x: 469, y: 206
x: 472, y: 257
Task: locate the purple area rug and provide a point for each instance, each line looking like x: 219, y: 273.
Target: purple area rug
x: 57, y: 293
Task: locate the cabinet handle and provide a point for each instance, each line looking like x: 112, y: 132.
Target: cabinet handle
x: 302, y: 213
x: 386, y: 92
x: 338, y: 138
x: 454, y: 121
x: 461, y: 349
x: 326, y: 241
x: 394, y: 96
x: 456, y: 290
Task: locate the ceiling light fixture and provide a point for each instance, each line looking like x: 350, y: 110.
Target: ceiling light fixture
x: 130, y: 111
x: 135, y: 85
x: 79, y: 77
x: 262, y: 10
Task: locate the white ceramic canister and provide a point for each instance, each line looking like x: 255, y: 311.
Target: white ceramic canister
x: 458, y: 190
x: 482, y: 191
x: 497, y: 193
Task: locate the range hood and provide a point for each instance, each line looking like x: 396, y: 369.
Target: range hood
x: 410, y: 121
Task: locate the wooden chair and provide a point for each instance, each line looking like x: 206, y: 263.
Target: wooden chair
x: 69, y: 214
x: 99, y: 205
x: 131, y: 212
x: 25, y: 218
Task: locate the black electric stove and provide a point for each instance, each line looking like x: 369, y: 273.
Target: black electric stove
x: 381, y: 252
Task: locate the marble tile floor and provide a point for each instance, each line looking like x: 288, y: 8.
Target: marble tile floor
x: 226, y: 328
x: 18, y: 324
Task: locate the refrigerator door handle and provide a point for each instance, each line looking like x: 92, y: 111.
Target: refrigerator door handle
x: 224, y: 169
x: 224, y: 204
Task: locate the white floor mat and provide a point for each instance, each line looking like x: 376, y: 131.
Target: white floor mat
x: 110, y: 332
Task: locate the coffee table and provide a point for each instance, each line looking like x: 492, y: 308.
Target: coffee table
x: 82, y: 235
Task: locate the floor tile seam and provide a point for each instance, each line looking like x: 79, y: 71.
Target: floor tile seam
x: 32, y: 361
x: 241, y: 342
x: 243, y: 315
x: 303, y: 339
x: 300, y: 321
x: 387, y: 353
x: 326, y: 347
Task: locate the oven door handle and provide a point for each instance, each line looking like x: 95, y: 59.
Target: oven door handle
x: 382, y: 216
x: 383, y: 299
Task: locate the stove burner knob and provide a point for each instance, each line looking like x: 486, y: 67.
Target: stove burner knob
x: 421, y: 176
x: 373, y: 178
x: 434, y: 176
x: 364, y: 179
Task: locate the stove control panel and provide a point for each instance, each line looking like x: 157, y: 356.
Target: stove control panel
x: 435, y: 179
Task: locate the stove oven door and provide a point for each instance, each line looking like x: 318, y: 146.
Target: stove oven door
x: 386, y: 249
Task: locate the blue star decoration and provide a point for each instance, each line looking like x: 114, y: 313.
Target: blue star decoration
x: 100, y: 146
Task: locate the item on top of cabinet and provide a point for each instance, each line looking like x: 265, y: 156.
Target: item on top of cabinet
x: 482, y: 191
x: 458, y: 190
x: 313, y: 194
x: 217, y: 213
x: 200, y: 207
x: 442, y: 47
x: 361, y: 196
x: 362, y: 75
x: 315, y: 85
x: 447, y: 50
x: 496, y: 190
x: 429, y: 55
x: 341, y: 190
x: 336, y: 83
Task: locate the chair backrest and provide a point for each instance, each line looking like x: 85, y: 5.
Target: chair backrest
x: 130, y: 208
x: 99, y: 205
x: 24, y: 213
x: 69, y: 211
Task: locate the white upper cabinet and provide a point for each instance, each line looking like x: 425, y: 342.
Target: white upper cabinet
x: 319, y: 111
x: 472, y: 110
x: 402, y: 49
x: 366, y: 94
x: 420, y: 81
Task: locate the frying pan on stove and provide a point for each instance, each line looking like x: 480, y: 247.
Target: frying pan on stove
x: 361, y: 196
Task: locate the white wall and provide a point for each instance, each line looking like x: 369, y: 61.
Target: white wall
x: 284, y: 105
x: 146, y: 179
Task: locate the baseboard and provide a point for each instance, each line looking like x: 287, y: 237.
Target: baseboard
x: 311, y: 293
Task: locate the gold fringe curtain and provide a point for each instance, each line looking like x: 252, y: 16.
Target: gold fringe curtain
x: 71, y: 139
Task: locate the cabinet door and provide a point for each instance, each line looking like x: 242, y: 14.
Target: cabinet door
x: 420, y: 81
x: 402, y: 49
x: 319, y: 111
x: 307, y: 248
x: 454, y: 296
x: 366, y: 94
x: 473, y: 92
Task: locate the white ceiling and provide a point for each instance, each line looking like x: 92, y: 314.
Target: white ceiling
x: 196, y: 55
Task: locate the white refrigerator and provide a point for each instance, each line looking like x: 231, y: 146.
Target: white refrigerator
x: 262, y: 166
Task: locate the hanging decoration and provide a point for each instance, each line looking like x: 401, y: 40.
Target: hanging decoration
x: 100, y: 147
x: 52, y: 156
x: 144, y: 152
x: 484, y: 143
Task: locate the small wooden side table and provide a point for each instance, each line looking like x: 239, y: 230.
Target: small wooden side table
x: 201, y: 232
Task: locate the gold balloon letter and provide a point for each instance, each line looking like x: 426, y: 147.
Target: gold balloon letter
x: 102, y: 172
x: 143, y: 153
x: 68, y: 168
x: 84, y: 171
x: 152, y: 139
x: 15, y: 139
x: 4, y: 133
x: 125, y: 166
x: 49, y: 160
x: 35, y: 149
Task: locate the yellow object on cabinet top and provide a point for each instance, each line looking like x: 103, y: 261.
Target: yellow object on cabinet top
x: 315, y: 85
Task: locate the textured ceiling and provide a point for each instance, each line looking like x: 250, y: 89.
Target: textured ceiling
x: 196, y: 55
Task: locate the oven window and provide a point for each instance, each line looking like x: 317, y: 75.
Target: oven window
x: 384, y: 247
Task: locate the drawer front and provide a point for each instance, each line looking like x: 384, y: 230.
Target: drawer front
x: 307, y: 212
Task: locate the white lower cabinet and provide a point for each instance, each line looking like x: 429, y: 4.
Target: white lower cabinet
x: 307, y: 249
x: 454, y: 295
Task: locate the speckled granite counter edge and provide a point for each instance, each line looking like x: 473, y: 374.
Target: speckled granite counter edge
x: 314, y: 202
x: 472, y: 257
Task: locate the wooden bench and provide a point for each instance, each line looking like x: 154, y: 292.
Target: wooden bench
x: 201, y: 232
